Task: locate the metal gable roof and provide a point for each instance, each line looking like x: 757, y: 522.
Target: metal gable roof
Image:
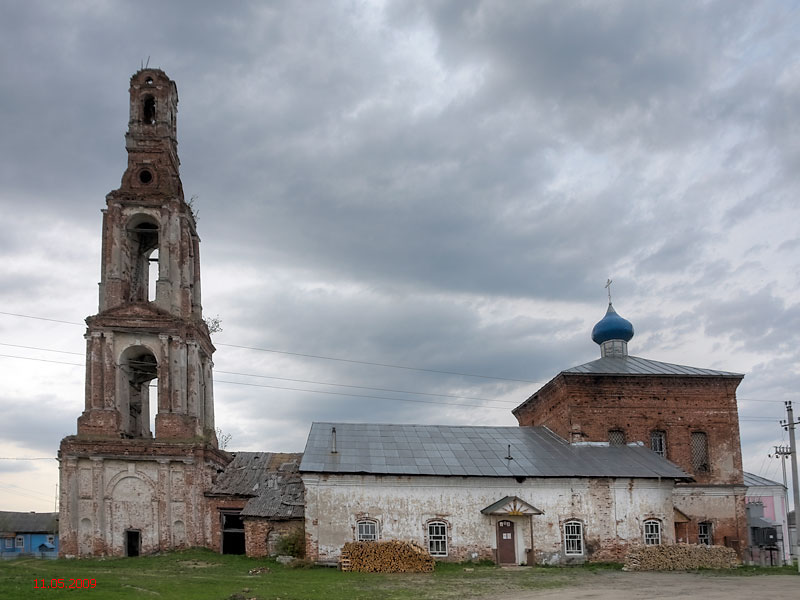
x: 752, y: 480
x: 28, y: 522
x: 471, y: 451
x: 634, y: 365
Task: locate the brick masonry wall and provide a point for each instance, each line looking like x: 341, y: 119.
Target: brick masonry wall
x: 261, y: 535
x: 585, y: 407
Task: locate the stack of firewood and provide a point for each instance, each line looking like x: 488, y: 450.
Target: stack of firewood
x: 385, y: 557
x: 680, y: 557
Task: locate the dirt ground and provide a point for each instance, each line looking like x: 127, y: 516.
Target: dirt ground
x: 618, y: 585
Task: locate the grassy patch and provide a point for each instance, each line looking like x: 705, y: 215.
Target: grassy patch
x: 202, y: 574
x: 205, y: 575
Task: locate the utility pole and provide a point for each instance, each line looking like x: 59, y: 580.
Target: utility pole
x: 784, y: 452
x: 789, y: 424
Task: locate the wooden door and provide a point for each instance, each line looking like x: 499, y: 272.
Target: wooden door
x: 506, y: 544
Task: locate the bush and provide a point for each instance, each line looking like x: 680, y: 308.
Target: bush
x: 293, y: 544
x: 301, y: 563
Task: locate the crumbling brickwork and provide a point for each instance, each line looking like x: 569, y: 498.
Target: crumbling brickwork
x: 262, y: 535
x: 134, y: 478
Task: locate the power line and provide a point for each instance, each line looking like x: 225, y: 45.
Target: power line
x: 275, y: 387
x: 741, y: 418
x: 314, y: 383
x: 298, y: 389
x: 317, y: 356
x: 41, y: 318
x: 361, y: 387
x: 42, y: 349
x: 58, y: 362
x: 377, y: 364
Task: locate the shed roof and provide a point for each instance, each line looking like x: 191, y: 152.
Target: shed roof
x: 28, y: 522
x: 472, y: 451
x: 753, y: 480
x: 271, y: 481
x: 634, y: 365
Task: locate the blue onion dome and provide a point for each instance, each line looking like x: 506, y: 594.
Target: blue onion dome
x: 612, y: 327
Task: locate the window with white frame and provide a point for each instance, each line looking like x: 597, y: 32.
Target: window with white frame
x: 20, y: 542
x: 658, y: 442
x: 51, y: 539
x: 704, y: 534
x: 437, y: 538
x: 573, y: 538
x: 652, y: 532
x: 367, y: 530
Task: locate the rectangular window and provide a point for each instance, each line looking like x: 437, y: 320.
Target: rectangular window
x: 20, y: 542
x: 704, y: 534
x: 652, y: 533
x: 367, y: 531
x: 700, y: 451
x: 437, y: 538
x: 573, y: 538
x: 51, y: 539
x: 658, y: 442
x: 9, y: 542
x: 616, y: 437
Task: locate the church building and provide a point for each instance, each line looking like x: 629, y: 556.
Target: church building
x: 687, y: 415
x: 618, y: 452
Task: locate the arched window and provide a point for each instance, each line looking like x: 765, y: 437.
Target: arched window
x: 616, y: 437
x: 140, y: 368
x: 658, y: 442
x: 437, y: 538
x: 700, y: 451
x: 143, y: 242
x: 149, y: 110
x: 366, y: 530
x: 573, y: 538
x: 652, y: 532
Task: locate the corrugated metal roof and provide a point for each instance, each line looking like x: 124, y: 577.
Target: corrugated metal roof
x: 752, y: 480
x: 28, y: 522
x: 472, y: 451
x: 270, y: 479
x: 634, y: 365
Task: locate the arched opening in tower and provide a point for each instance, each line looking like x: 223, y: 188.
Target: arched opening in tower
x: 149, y: 110
x: 144, y: 256
x: 152, y: 275
x: 141, y: 371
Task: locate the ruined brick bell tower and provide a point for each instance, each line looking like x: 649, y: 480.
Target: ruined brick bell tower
x: 126, y: 489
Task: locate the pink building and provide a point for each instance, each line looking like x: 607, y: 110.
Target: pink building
x: 766, y: 510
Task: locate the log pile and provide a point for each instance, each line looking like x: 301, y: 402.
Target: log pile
x: 680, y: 557
x: 390, y: 556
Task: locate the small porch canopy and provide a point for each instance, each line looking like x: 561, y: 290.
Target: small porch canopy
x: 513, y: 506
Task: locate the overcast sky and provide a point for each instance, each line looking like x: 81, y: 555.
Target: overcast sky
x: 435, y: 185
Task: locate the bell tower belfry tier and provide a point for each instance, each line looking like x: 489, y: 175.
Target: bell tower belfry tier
x: 149, y: 338
x: 129, y: 487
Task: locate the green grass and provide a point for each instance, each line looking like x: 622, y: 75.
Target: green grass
x: 202, y: 574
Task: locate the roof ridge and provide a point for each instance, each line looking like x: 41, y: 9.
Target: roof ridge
x: 589, y: 368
